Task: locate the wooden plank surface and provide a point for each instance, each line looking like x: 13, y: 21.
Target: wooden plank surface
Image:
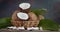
x: 11, y: 30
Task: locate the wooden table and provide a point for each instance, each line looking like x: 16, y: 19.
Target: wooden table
x: 10, y: 30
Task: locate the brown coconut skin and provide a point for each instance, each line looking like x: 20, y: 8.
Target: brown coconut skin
x: 31, y: 22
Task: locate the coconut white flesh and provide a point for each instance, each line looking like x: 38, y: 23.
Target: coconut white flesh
x: 41, y: 28
x: 22, y: 28
x: 30, y: 28
x: 17, y: 28
x: 23, y: 16
x: 12, y: 27
x: 33, y: 28
x: 24, y: 5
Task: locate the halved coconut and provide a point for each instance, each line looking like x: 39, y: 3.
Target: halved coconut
x: 41, y: 28
x: 23, y: 16
x: 12, y: 27
x: 22, y: 28
x: 24, y: 5
x: 33, y: 28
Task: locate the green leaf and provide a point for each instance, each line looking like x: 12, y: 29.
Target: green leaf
x: 39, y: 11
x: 5, y: 22
x: 48, y: 24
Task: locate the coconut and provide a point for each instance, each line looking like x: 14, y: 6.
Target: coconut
x: 24, y: 5
x: 33, y: 28
x: 23, y: 16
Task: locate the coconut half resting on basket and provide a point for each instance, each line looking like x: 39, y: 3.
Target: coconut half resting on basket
x: 22, y: 16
